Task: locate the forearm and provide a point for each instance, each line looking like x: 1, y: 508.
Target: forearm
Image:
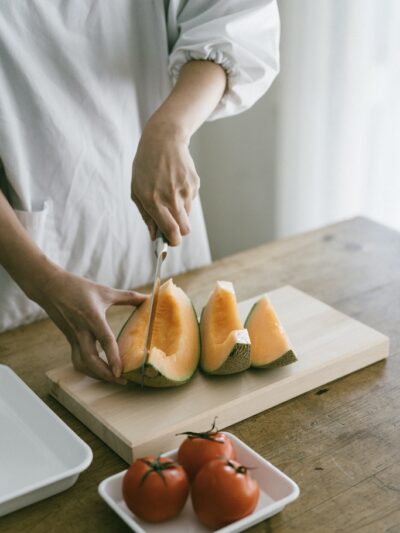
x: 199, y: 89
x: 19, y: 254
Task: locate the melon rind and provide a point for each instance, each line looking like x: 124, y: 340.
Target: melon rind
x: 126, y: 323
x: 238, y: 358
x: 285, y: 359
x: 154, y: 379
x: 237, y: 361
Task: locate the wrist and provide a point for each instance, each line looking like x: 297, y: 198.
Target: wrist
x: 161, y: 126
x: 37, y: 282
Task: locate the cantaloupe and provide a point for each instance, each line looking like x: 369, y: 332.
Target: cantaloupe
x: 175, y: 344
x: 270, y: 346
x: 225, y: 344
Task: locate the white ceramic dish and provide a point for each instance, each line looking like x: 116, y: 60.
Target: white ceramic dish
x: 277, y: 490
x: 39, y: 454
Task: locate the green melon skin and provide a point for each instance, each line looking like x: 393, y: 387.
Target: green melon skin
x: 237, y: 361
x: 126, y: 323
x: 152, y: 376
x: 287, y: 358
x: 154, y: 379
x: 250, y: 313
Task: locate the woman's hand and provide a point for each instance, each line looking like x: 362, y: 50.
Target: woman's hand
x: 78, y: 307
x: 164, y: 181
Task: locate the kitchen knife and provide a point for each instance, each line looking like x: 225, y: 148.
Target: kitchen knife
x: 161, y: 251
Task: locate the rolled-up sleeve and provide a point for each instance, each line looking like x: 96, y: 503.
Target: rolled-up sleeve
x: 240, y: 35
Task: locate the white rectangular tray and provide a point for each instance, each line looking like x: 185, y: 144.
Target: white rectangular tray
x: 277, y: 490
x: 39, y: 454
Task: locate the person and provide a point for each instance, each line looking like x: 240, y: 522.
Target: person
x: 86, y: 88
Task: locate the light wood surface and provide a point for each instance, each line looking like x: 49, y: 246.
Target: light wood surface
x: 135, y: 421
x: 340, y: 442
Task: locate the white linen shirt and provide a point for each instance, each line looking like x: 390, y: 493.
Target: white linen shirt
x: 78, y: 81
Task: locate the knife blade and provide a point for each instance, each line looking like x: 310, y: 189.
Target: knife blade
x: 161, y: 251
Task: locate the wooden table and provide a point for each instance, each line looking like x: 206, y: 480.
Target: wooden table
x: 340, y: 443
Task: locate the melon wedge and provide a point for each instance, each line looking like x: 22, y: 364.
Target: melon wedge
x: 175, y: 345
x: 225, y: 343
x: 270, y: 346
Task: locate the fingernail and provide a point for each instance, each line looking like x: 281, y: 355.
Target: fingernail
x: 122, y: 382
x: 116, y: 371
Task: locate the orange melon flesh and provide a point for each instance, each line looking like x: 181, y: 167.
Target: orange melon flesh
x: 175, y: 345
x: 225, y: 343
x: 270, y: 345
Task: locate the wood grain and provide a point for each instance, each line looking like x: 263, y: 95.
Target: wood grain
x: 135, y: 421
x: 340, y: 442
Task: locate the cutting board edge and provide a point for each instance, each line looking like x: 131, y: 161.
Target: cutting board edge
x: 116, y: 443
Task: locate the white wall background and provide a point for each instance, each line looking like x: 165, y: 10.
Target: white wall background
x: 235, y: 159
x: 324, y: 143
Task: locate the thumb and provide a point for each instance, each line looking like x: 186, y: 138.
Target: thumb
x: 127, y: 297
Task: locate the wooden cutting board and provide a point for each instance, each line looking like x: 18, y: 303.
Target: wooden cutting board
x: 135, y: 421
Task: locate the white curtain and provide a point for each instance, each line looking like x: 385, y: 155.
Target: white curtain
x: 338, y: 113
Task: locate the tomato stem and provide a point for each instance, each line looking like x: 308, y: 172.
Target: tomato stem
x: 207, y: 435
x: 241, y: 469
x: 157, y: 467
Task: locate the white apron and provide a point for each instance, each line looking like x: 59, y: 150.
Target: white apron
x: 78, y: 80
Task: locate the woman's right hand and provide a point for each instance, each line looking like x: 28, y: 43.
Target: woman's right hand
x: 78, y: 307
x: 164, y: 177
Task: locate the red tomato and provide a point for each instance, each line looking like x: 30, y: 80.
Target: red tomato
x: 223, y: 492
x: 155, y: 489
x: 200, y: 448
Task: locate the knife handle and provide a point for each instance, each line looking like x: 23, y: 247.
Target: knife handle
x: 161, y: 248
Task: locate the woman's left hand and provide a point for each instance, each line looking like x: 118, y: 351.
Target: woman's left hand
x: 164, y: 181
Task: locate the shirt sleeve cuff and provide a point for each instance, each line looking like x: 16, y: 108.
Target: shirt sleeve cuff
x: 180, y: 57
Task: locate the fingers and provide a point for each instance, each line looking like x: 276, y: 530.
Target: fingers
x: 78, y: 307
x: 169, y: 212
x: 117, y: 297
x: 107, y: 341
x: 151, y: 226
x: 78, y: 363
x: 85, y: 355
x: 187, y: 204
x: 85, y: 358
x: 167, y: 224
x: 100, y: 330
x: 180, y: 214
